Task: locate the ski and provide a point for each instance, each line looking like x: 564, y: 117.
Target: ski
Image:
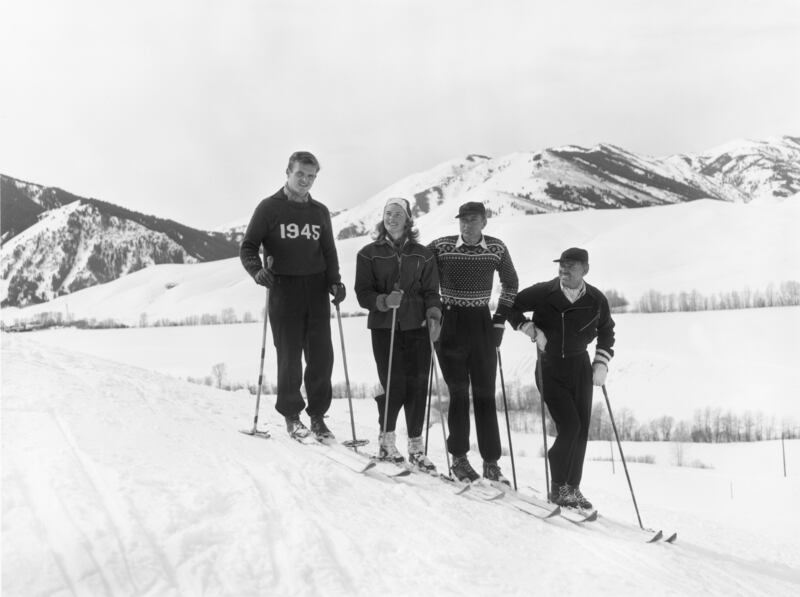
x: 387, y: 469
x: 656, y: 537
x: 540, y: 510
x: 574, y: 515
x: 390, y: 469
x: 478, y: 488
x: 355, y: 465
x: 578, y: 515
x: 672, y: 538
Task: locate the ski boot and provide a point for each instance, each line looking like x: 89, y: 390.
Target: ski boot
x: 564, y: 497
x: 296, y: 428
x: 388, y: 450
x: 580, y: 499
x: 417, y: 457
x: 492, y: 472
x: 320, y: 429
x: 462, y: 469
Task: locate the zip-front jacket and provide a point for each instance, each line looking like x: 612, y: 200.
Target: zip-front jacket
x: 569, y: 327
x: 380, y: 268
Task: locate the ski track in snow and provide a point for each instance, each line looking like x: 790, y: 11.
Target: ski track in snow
x: 122, y: 481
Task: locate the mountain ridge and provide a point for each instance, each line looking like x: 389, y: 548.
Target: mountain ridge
x: 55, y: 242
x: 560, y: 179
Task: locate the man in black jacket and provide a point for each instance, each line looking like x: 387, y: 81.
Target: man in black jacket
x: 302, y: 267
x: 568, y: 314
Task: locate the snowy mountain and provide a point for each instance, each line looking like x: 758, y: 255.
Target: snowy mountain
x: 574, y: 178
x: 55, y: 243
x: 70, y: 249
x: 757, y: 170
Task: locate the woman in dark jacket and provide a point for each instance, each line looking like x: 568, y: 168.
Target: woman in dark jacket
x: 397, y: 280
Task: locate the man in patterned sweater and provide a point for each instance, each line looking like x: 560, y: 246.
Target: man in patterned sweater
x: 470, y: 335
x: 302, y: 267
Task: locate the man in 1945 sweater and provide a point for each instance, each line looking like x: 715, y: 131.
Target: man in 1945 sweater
x: 568, y: 314
x: 302, y: 267
x: 470, y: 335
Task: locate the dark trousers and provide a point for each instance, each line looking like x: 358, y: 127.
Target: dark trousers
x: 467, y: 355
x: 567, y: 393
x: 300, y: 317
x: 410, y: 366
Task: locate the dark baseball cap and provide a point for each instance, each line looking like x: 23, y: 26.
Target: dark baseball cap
x: 471, y: 207
x: 574, y: 254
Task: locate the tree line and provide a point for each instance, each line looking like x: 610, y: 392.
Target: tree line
x: 784, y: 294
x: 708, y: 425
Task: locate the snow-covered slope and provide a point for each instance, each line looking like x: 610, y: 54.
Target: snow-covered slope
x: 708, y: 246
x: 120, y: 481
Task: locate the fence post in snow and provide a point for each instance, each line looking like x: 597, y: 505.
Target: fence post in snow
x: 783, y: 450
x: 613, y: 466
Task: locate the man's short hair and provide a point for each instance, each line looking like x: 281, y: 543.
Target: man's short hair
x: 303, y: 157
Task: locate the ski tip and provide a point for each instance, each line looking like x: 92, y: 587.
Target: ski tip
x: 656, y: 537
x: 672, y: 538
x: 592, y: 516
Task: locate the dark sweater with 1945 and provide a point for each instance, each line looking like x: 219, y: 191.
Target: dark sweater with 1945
x: 298, y: 236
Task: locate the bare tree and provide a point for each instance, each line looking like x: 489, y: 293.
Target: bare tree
x: 219, y: 371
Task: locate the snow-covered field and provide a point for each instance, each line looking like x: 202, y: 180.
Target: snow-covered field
x: 118, y: 480
x: 665, y: 363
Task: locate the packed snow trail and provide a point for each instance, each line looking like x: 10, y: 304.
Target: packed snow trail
x: 121, y: 481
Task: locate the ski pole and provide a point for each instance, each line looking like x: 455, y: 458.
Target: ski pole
x: 622, y: 456
x: 355, y: 442
x: 428, y: 404
x: 255, y: 431
x: 544, y: 424
x: 508, y: 424
x: 389, y: 372
x: 439, y: 403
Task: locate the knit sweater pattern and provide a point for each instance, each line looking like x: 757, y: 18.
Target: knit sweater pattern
x: 466, y: 272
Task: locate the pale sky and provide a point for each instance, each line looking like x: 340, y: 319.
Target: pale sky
x: 189, y: 109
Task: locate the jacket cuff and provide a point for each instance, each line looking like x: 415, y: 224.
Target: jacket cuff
x: 601, y: 356
x: 499, y: 319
